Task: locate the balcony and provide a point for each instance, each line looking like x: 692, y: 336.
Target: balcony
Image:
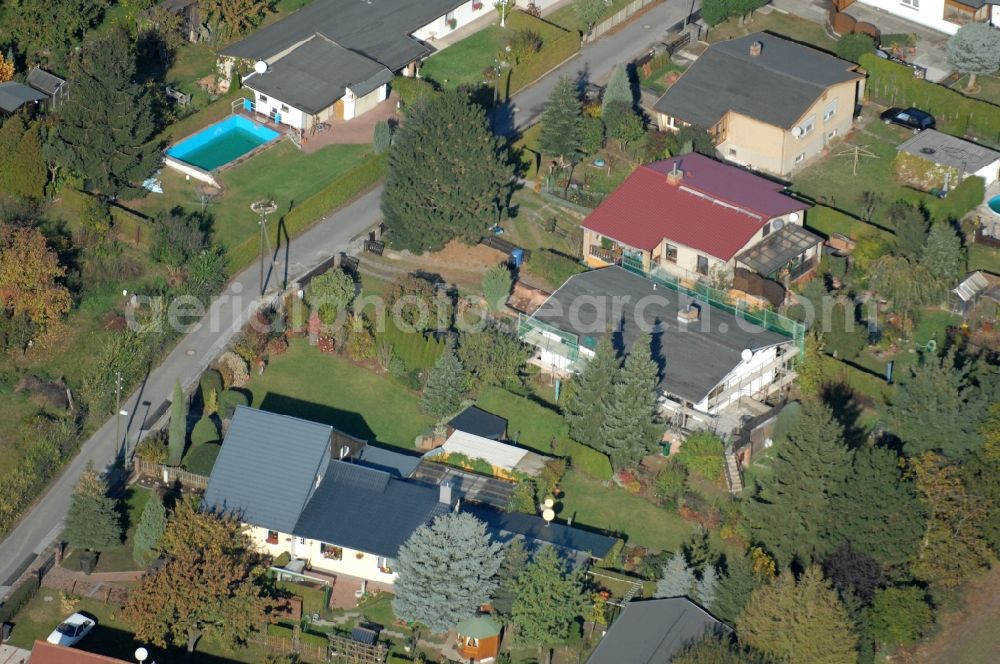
x: 610, y: 256
x: 959, y: 13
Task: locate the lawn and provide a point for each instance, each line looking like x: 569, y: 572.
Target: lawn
x: 566, y: 16
x: 542, y: 224
x: 331, y: 389
x: 989, y: 88
x: 281, y: 171
x: 464, y: 62
x: 118, y: 559
x: 786, y: 25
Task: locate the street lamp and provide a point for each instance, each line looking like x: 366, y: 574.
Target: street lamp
x: 503, y: 13
x: 123, y: 441
x: 263, y: 207
x: 141, y: 654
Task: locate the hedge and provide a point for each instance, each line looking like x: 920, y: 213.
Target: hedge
x: 312, y: 209
x: 894, y: 85
x: 558, y: 45
x: 201, y: 459
x: 18, y: 597
x: 205, y: 431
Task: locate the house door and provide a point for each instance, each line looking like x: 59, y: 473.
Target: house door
x: 338, y: 109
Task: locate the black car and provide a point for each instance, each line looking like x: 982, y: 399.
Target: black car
x: 911, y: 118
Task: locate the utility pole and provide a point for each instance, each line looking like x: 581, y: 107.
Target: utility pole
x: 118, y: 407
x: 263, y: 207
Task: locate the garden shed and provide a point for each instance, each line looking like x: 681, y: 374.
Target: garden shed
x: 478, y: 638
x: 932, y: 159
x: 964, y: 298
x: 504, y: 460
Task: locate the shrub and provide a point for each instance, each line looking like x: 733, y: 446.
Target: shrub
x: 201, y: 459
x: 282, y: 559
x: 152, y: 449
x: 360, y: 340
x: 671, y: 481
x: 397, y: 367
x: 853, y: 46
x: 410, y: 90
x: 701, y: 453
x: 382, y: 137
x: 234, y: 370
x: 205, y: 431
x: 229, y: 400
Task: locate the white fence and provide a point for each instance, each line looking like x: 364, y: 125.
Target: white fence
x: 616, y: 19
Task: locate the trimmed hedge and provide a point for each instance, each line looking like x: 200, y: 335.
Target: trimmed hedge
x: 18, y: 597
x: 229, y: 400
x: 205, y: 431
x: 201, y: 459
x: 312, y: 209
x: 894, y: 85
x: 558, y: 45
x: 210, y: 380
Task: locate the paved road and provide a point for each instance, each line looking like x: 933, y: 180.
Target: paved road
x: 231, y: 310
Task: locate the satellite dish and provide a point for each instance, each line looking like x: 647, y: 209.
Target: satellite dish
x: 797, y: 131
x: 746, y: 355
x: 141, y: 654
x: 778, y: 224
x: 794, y: 216
x: 549, y: 502
x: 260, y: 66
x: 548, y: 514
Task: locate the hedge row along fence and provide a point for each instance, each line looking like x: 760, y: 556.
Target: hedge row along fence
x: 558, y: 45
x: 894, y: 85
x: 312, y: 209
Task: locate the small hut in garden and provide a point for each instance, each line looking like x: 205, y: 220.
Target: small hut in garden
x: 478, y: 638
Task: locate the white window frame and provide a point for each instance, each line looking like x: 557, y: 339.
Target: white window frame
x: 800, y: 158
x: 830, y: 111
x: 912, y: 4
x: 832, y: 134
x: 808, y: 126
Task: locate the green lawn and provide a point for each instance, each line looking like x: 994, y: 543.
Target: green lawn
x: 567, y: 18
x: 989, y: 88
x: 330, y: 389
x: 118, y: 559
x: 786, y: 25
x: 464, y: 62
x: 281, y: 172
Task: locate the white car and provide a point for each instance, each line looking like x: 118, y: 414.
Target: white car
x: 70, y: 631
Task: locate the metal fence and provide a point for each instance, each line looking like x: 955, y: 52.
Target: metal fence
x: 616, y: 19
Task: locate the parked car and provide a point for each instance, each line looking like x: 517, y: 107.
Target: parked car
x: 911, y: 118
x: 70, y: 631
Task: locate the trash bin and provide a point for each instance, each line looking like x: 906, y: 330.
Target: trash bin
x: 5, y: 630
x: 517, y: 257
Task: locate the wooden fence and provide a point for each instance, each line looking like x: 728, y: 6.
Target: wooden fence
x: 616, y: 19
x: 170, y: 475
x: 310, y: 652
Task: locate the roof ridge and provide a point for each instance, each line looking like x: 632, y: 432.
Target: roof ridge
x: 271, y: 413
x: 779, y: 72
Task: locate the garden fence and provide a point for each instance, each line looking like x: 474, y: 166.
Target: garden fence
x: 616, y: 19
x: 169, y: 474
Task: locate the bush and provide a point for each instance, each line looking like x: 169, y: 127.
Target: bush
x: 229, y: 400
x: 671, y: 481
x: 152, y: 449
x: 552, y: 267
x: 234, y: 370
x: 201, y: 459
x: 282, y: 559
x: 853, y: 46
x: 701, y: 453
x: 205, y: 431
x: 210, y: 380
x: 397, y: 367
x: 382, y: 137
x: 410, y: 90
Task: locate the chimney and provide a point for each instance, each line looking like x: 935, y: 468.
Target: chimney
x: 755, y: 48
x: 689, y: 314
x: 675, y: 175
x: 444, y: 493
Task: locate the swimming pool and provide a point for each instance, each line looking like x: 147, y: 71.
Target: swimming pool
x: 221, y: 143
x: 994, y: 203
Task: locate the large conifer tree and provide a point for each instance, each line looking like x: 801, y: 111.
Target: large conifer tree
x: 562, y: 123
x: 107, y: 127
x: 447, y: 175
x: 93, y: 521
x: 627, y: 432
x: 792, y: 513
x: 586, y: 405
x: 445, y: 386
x: 549, y: 598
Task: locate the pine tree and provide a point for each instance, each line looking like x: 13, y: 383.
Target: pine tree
x: 627, y: 431
x: 107, y: 126
x: 447, y: 175
x: 496, y: 287
x: 447, y: 570
x: 25, y: 173
x: 149, y: 531
x: 550, y: 599
x: 445, y: 386
x: 677, y: 579
x: 974, y: 50
x: 910, y: 224
x: 943, y: 256
x: 706, y: 587
x: 792, y: 514
x: 177, y: 432
x: 591, y: 388
x: 93, y: 521
x: 562, y: 123
x: 800, y: 622
x: 733, y: 590
x: 619, y: 90
x: 878, y: 511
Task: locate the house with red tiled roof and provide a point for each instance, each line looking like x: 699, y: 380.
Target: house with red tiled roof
x: 700, y: 219
x: 47, y: 653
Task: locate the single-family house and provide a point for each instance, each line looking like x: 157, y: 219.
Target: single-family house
x: 942, y: 15
x: 932, y: 159
x: 47, y: 653
x: 652, y: 631
x: 689, y: 216
x: 18, y: 97
x: 770, y: 104
x: 334, y: 59
x: 710, y: 356
x: 56, y: 89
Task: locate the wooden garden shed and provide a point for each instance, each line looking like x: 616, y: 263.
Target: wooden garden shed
x: 478, y: 638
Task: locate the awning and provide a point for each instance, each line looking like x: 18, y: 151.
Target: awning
x: 778, y: 249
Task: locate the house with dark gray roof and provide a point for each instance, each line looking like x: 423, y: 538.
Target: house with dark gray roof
x: 653, y: 631
x: 16, y: 97
x: 334, y: 59
x: 50, y: 85
x: 771, y: 104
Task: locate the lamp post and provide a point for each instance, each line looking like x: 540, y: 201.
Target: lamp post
x: 263, y: 207
x: 141, y: 654
x: 503, y: 13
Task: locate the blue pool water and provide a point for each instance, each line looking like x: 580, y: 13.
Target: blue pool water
x: 994, y: 203
x: 221, y: 143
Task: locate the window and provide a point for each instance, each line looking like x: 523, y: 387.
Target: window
x: 831, y: 134
x: 284, y: 108
x: 830, y: 111
x: 808, y: 126
x: 670, y: 253
x: 799, y: 159
x: 766, y: 229
x: 331, y: 552
x: 702, y: 265
x: 272, y: 537
x: 263, y: 98
x: 912, y: 4
x: 383, y: 565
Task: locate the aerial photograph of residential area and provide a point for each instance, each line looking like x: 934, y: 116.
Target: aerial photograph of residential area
x: 500, y: 331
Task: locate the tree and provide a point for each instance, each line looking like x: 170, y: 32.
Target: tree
x: 588, y: 13
x: 974, y: 50
x: 899, y: 616
x: 714, y: 12
x: 911, y: 228
x: 733, y: 589
x: 619, y: 91
x: 715, y: 647
x: 628, y: 432
x: 702, y: 454
x: 25, y: 173
x: 792, y: 512
x: 30, y: 277
x: 447, y: 175
x: 904, y: 282
x: 115, y: 151
x: 42, y: 25
x: 623, y: 125
x: 937, y: 410
x: 692, y: 138
x: 853, y: 45
x: 550, y: 598
x: 853, y: 572
x: 878, y: 512
x: 562, y: 123
x: 801, y: 622
x: 493, y: 356
x: 93, y: 521
x: 445, y: 386
x: 213, y: 583
x: 496, y: 287
x: 677, y: 580
x: 178, y: 426
x: 416, y: 304
x: 447, y: 570
x: 232, y: 18
x: 149, y: 531
x: 942, y: 255
x: 6, y: 69
x: 330, y: 293
x: 588, y: 400
x: 178, y: 236
x: 706, y: 588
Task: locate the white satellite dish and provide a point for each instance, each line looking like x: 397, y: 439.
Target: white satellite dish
x: 548, y: 514
x: 794, y: 216
x: 778, y: 224
x: 260, y: 66
x: 141, y: 654
x: 797, y: 131
x: 746, y: 355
